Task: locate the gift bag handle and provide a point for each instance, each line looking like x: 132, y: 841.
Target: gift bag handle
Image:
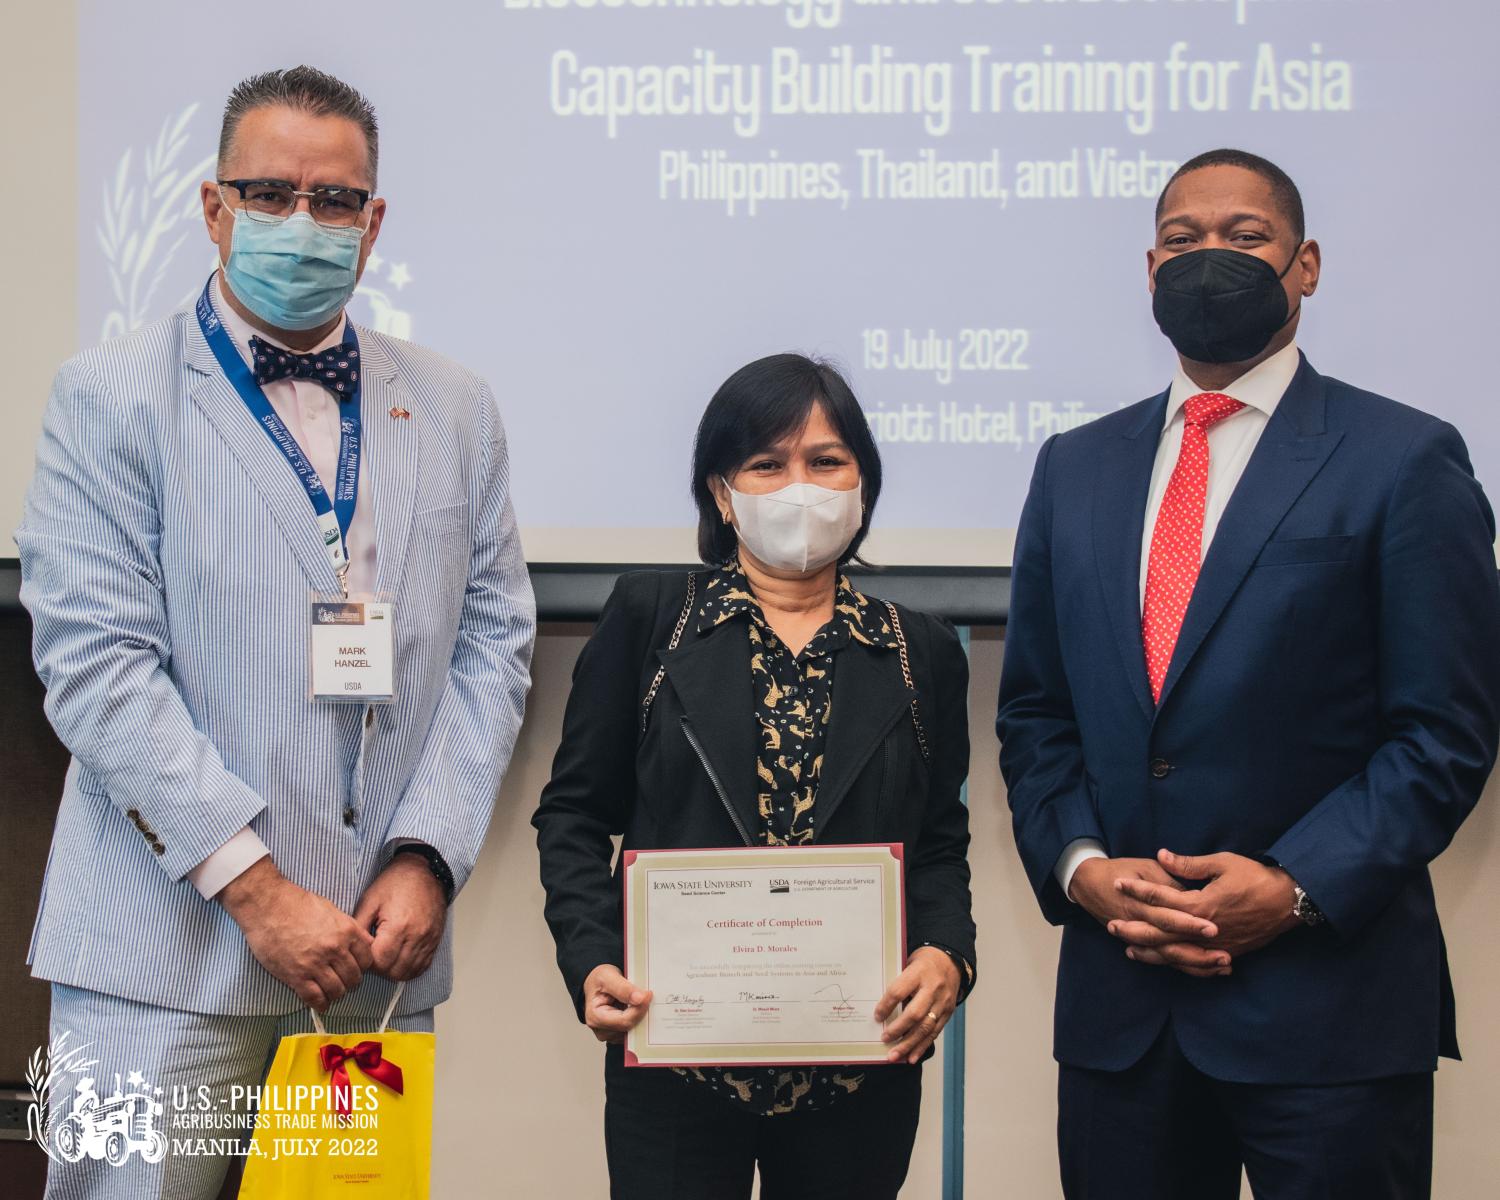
x: 390, y: 1010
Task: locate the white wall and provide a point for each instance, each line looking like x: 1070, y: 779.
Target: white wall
x: 38, y: 230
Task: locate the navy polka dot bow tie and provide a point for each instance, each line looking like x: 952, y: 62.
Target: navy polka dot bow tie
x: 336, y: 368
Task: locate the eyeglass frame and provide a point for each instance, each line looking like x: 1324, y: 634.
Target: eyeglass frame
x: 239, y: 185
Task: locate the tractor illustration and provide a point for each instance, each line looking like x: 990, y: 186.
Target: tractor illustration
x: 112, y: 1128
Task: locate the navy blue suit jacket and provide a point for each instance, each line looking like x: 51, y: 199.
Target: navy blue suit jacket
x: 1332, y: 705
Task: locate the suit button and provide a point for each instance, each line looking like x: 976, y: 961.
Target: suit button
x: 158, y: 847
x: 134, y: 814
x: 348, y: 816
x: 1160, y: 768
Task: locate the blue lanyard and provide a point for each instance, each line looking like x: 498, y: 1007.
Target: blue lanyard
x: 334, y: 516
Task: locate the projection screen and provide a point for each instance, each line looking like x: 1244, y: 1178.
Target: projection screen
x: 606, y: 206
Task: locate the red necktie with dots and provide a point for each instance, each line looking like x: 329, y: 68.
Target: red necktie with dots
x: 1177, y: 540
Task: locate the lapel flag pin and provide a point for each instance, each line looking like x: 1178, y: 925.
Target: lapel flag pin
x: 401, y: 413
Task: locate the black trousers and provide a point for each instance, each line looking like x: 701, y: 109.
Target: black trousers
x: 669, y: 1138
x: 1165, y: 1131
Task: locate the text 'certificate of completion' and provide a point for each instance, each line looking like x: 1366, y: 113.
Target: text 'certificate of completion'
x: 770, y: 957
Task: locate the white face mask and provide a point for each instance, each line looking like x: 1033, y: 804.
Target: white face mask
x: 802, y: 527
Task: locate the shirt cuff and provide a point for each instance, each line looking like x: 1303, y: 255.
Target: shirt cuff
x: 228, y: 863
x: 1074, y: 855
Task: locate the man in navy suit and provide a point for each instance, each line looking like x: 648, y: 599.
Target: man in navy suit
x: 1251, y: 690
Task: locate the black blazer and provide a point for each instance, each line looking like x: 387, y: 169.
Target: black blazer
x: 687, y: 781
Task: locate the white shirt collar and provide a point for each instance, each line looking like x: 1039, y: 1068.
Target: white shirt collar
x: 241, y: 331
x: 1261, y: 387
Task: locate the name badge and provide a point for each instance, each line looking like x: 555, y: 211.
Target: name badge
x: 353, y: 647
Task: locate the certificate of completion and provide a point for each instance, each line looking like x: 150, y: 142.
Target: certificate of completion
x: 768, y: 957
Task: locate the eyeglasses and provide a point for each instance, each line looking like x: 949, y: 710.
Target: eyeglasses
x: 272, y: 201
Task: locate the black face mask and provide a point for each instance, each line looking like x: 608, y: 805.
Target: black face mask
x: 1220, y: 306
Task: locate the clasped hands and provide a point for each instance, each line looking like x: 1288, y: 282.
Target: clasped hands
x: 1243, y: 906
x: 320, y: 951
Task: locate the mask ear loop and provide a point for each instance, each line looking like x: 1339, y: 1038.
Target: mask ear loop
x: 234, y: 222
x: 727, y: 517
x: 1282, y: 276
x: 1292, y: 261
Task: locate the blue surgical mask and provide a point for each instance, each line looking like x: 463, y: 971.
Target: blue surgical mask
x: 294, y: 274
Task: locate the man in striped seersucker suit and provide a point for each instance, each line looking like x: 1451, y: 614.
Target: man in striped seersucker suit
x: 232, y: 849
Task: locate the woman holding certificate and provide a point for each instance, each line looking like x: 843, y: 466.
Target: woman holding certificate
x: 788, y: 928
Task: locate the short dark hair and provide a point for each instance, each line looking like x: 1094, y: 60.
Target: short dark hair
x: 308, y: 90
x: 1288, y: 198
x: 757, y: 407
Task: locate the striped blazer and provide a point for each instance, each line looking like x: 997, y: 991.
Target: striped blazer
x: 168, y: 553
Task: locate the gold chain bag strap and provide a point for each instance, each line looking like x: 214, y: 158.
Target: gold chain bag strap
x: 916, y: 720
x: 661, y: 671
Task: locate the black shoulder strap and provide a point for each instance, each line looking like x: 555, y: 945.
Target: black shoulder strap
x: 682, y: 620
x: 916, y: 718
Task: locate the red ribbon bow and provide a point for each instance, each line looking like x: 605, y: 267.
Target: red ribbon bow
x: 367, y: 1056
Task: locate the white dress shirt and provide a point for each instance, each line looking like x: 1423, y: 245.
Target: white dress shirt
x: 311, y: 414
x: 1230, y: 444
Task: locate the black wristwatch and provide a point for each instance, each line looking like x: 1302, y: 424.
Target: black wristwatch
x: 965, y: 971
x: 1302, y: 906
x: 435, y: 864
x: 1304, y: 909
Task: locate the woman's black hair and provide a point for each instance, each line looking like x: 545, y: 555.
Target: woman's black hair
x: 756, y: 408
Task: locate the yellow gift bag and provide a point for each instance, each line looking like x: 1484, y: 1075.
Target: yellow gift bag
x: 344, y: 1116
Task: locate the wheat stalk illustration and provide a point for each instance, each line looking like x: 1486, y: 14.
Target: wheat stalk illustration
x: 41, y: 1069
x: 139, y: 233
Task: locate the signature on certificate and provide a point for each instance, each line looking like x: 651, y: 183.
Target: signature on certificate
x: 844, y: 1004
